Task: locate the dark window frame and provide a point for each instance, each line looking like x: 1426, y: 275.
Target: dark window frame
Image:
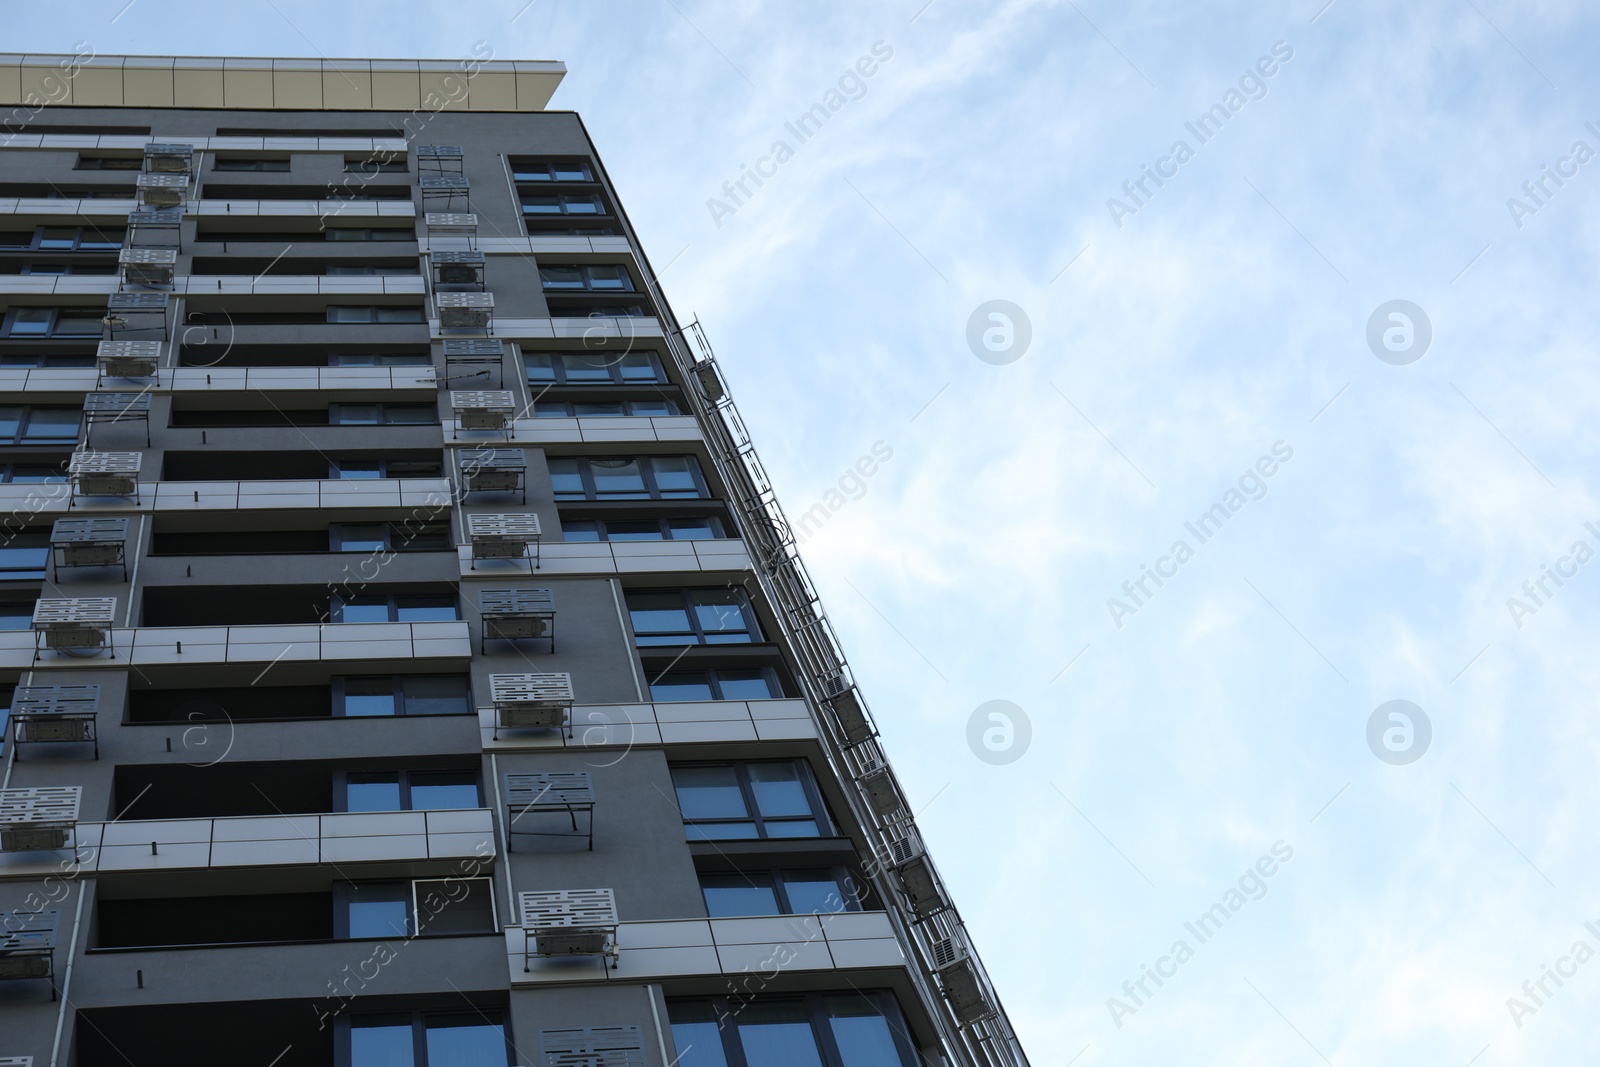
x: 9, y: 322
x: 773, y: 680
x: 776, y: 881
x: 742, y: 602
x: 558, y: 368
x: 391, y: 542
x: 342, y: 899
x: 231, y: 164
x: 393, y: 602
x: 337, y: 686
x: 336, y: 413
x: 418, y: 1020
x: 826, y: 827
x: 25, y: 416
x: 36, y: 241
x: 652, y: 488
x: 341, y: 784
x: 603, y: 531
x: 726, y: 1013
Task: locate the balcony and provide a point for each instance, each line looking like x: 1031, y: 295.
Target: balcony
x: 571, y: 329
x: 613, y: 557
x: 561, y: 431
x: 52, y: 499
x: 310, y: 643
x: 269, y: 841
x: 629, y: 725
x: 230, y: 379
x: 854, y: 940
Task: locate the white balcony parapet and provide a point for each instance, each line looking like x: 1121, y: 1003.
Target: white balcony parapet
x: 423, y: 497
x: 267, y: 643
x: 646, y: 725
x: 258, y: 841
x: 606, y: 429
x: 570, y: 329
x: 613, y: 557
x: 342, y: 210
x: 252, y: 379
x: 517, y: 615
x: 300, y: 285
x: 787, y: 944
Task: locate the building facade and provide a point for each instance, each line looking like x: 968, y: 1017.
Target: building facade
x: 407, y: 661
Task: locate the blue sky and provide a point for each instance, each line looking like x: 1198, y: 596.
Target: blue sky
x: 1168, y: 355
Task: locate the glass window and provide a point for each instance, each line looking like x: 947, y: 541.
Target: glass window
x: 381, y: 1043
x: 596, y: 408
x: 540, y: 366
x: 646, y: 530
x: 360, y: 536
x: 580, y: 530
x: 641, y: 367
x: 697, y: 528
x: 378, y: 909
x: 443, y: 695
x: 355, y: 414
x: 659, y: 618
x: 373, y: 792
x: 862, y: 1033
x: 31, y: 322
x: 465, y: 1041
x: 17, y: 615
x: 587, y: 367
x: 369, y: 696
x: 778, y: 1035
x: 607, y: 276
x: 561, y: 277
x: 358, y: 469
x: 720, y: 616
x: 426, y: 608
x: 729, y: 895
x: 437, y: 790
x: 709, y: 792
x: 751, y: 683
x: 363, y: 609
x: 672, y: 686
x: 811, y: 892
x: 617, y: 479
x: 455, y: 906
x: 674, y: 476
x: 699, y: 1041
x: 58, y: 237
x: 743, y: 800
x: 24, y: 555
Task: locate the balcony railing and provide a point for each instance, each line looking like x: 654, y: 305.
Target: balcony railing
x: 847, y: 940
x: 614, y: 557
x: 302, y: 643
x: 690, y: 722
x: 269, y: 841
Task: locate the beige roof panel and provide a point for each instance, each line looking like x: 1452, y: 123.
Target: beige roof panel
x: 278, y: 84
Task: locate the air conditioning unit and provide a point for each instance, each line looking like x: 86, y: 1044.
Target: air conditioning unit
x: 532, y: 701
x: 465, y: 311
x: 445, y: 187
x: 484, y: 409
x: 517, y: 614
x: 41, y: 818
x: 710, y: 381
x: 128, y: 359
x: 134, y: 311
x: 90, y: 543
x: 105, y: 473
x: 74, y: 622
x: 959, y: 981
x: 503, y: 536
x: 846, y: 705
x: 569, y: 922
x: 162, y: 190
x: 155, y: 267
x: 27, y: 947
x: 494, y: 470
x: 458, y: 268
x: 917, y: 878
x: 883, y: 794
x: 168, y: 158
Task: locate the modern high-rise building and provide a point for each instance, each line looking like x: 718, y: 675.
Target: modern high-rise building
x: 407, y: 661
